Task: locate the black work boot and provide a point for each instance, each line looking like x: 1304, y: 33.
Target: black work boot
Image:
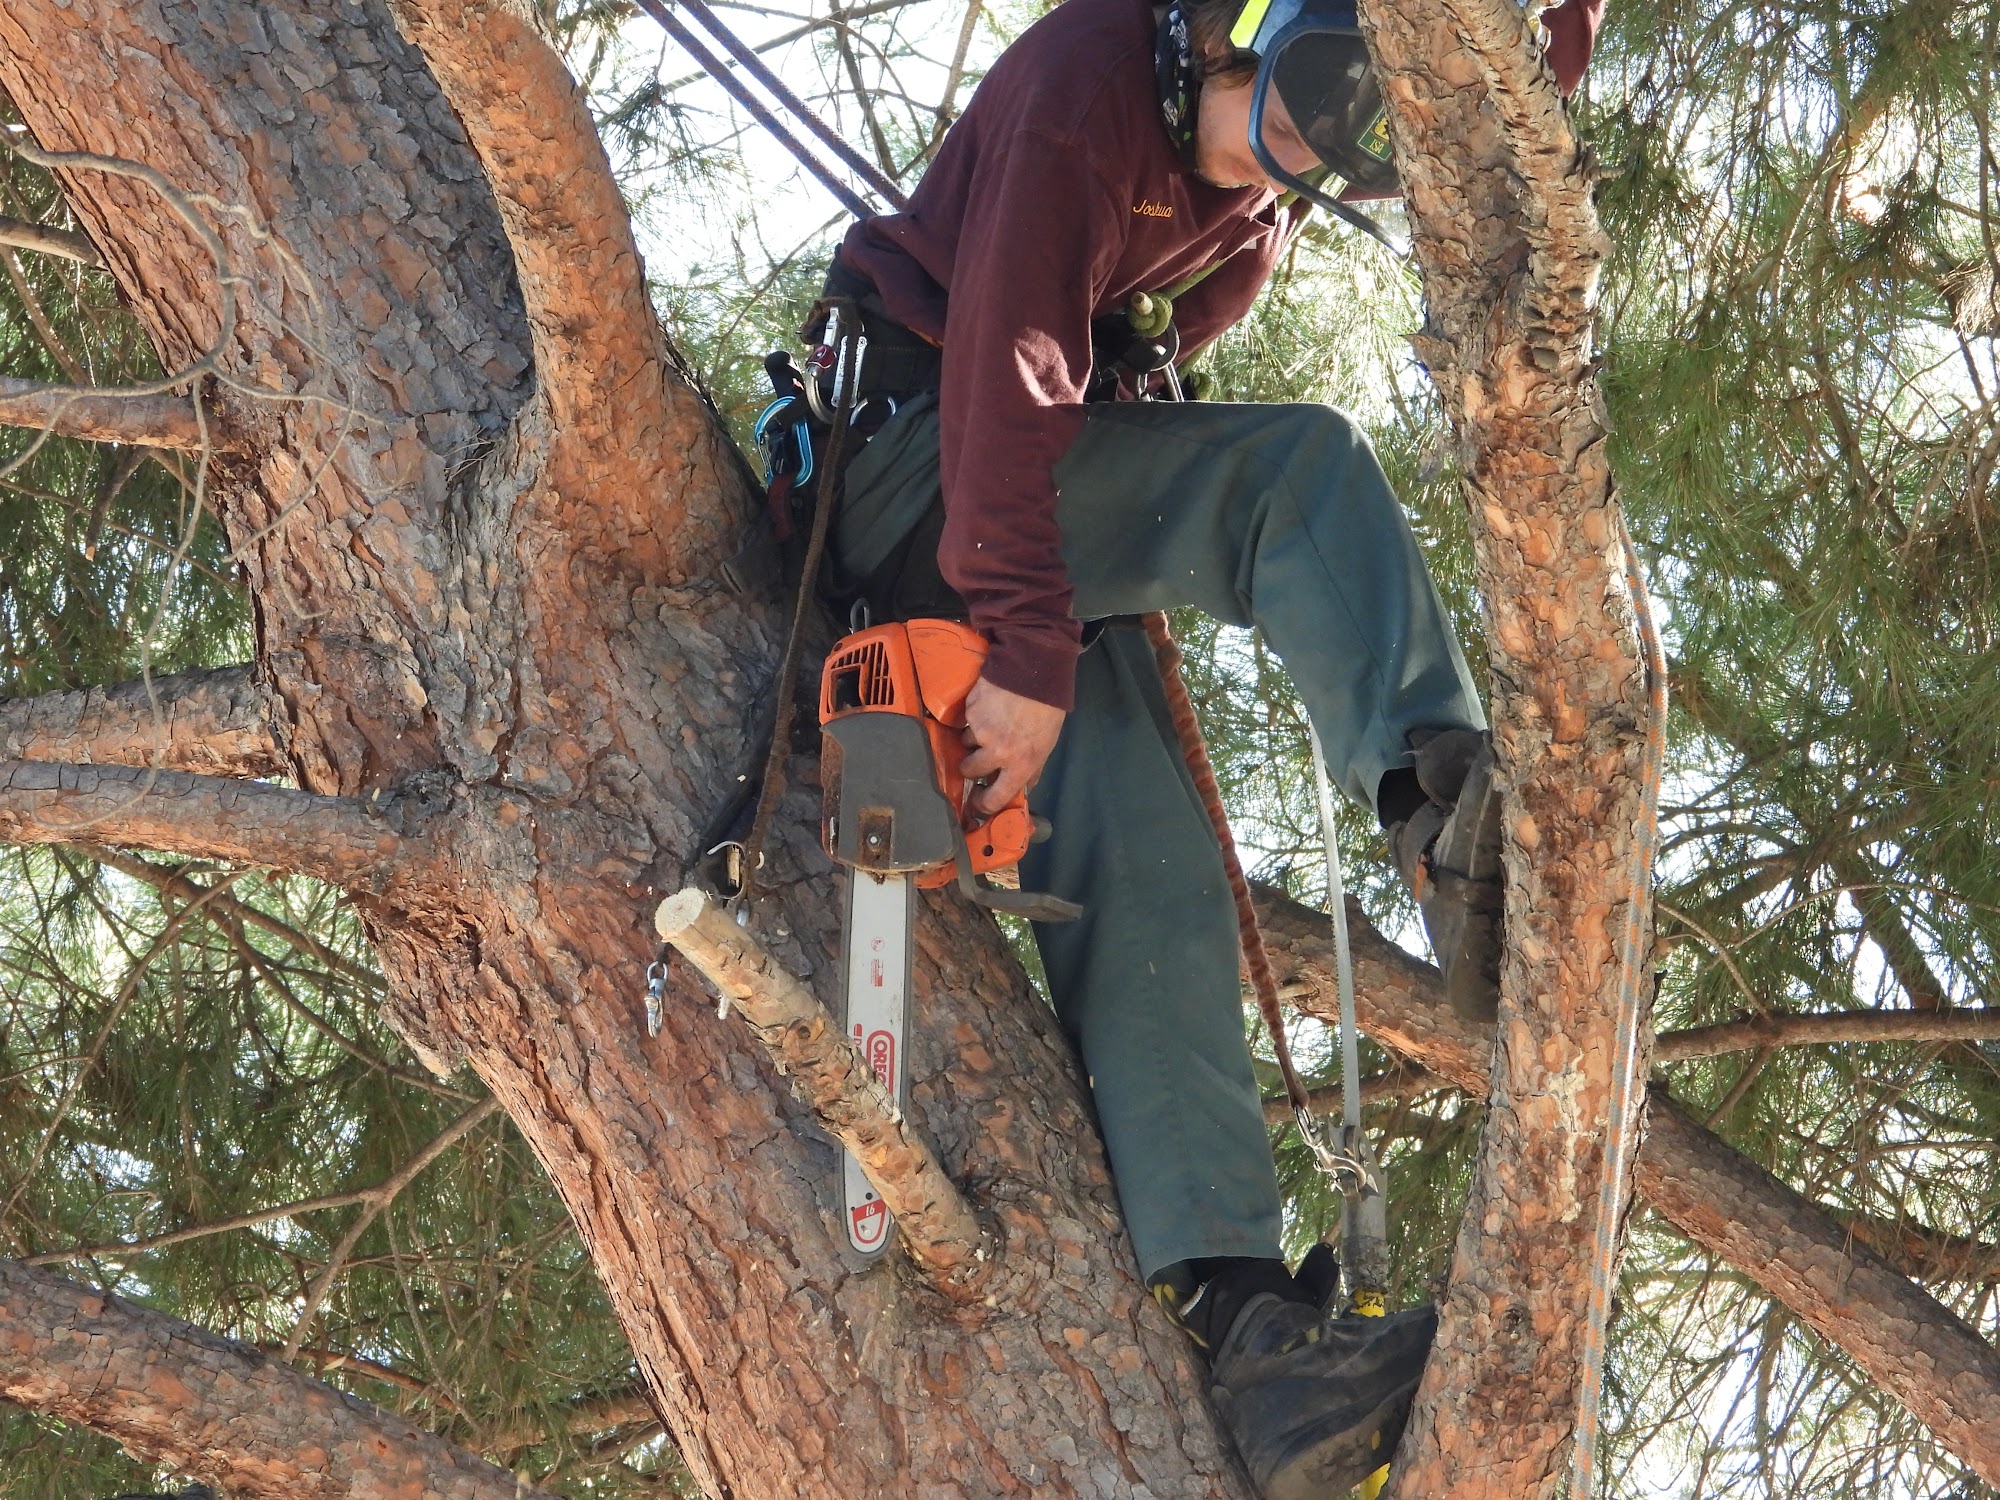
x: 1316, y: 1404
x: 1448, y: 853
x: 1203, y: 1297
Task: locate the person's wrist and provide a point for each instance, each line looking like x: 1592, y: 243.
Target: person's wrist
x: 1036, y: 666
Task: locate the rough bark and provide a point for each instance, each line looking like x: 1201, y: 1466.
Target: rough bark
x: 485, y: 528
x: 1916, y: 1348
x: 1499, y: 193
x: 108, y: 417
x: 218, y: 1411
x: 216, y: 723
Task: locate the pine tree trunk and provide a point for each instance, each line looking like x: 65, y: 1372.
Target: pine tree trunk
x: 1498, y: 188
x: 484, y: 522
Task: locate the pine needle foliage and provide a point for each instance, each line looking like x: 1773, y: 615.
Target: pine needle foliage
x: 1799, y: 357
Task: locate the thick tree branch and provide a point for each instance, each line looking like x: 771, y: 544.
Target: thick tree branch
x: 336, y: 839
x: 66, y: 243
x: 216, y: 722
x: 107, y: 416
x: 1834, y: 1027
x: 600, y: 355
x: 1912, y: 1345
x: 220, y: 1411
x: 936, y: 1222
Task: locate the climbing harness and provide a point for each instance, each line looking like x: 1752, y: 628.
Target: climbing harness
x: 839, y: 354
x: 1627, y: 1079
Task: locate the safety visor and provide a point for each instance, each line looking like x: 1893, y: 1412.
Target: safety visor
x: 1310, y: 56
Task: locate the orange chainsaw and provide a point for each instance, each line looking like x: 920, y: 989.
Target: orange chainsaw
x: 892, y: 710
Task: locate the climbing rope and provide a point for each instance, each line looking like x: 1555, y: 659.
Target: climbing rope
x: 843, y: 337
x: 1626, y: 1076
x: 756, y: 68
x: 1364, y: 1216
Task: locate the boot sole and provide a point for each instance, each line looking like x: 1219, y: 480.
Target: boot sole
x: 1330, y: 1468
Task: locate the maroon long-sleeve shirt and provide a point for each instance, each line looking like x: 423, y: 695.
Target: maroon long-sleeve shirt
x: 1055, y: 197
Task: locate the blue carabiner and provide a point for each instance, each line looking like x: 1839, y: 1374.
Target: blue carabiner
x: 799, y: 430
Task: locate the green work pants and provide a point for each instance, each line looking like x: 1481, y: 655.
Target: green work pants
x: 1277, y: 517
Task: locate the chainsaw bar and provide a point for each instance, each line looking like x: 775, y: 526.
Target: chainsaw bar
x: 879, y: 912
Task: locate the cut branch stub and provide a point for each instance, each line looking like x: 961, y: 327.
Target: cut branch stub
x: 937, y: 1223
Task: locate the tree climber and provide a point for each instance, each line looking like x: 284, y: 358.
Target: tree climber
x: 1110, y: 151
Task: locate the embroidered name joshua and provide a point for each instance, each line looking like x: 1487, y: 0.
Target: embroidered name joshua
x: 1153, y: 210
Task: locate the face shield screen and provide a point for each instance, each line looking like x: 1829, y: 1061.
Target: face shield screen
x: 1328, y: 88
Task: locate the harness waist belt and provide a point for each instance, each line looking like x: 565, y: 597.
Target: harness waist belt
x: 900, y: 362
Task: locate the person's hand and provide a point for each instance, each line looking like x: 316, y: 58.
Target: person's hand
x: 1007, y: 738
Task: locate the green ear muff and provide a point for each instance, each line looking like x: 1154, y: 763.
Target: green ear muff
x: 1251, y: 20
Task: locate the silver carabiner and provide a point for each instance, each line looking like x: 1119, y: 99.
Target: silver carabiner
x: 656, y: 996
x: 829, y: 341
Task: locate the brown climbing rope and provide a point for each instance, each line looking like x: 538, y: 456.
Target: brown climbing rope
x: 843, y: 329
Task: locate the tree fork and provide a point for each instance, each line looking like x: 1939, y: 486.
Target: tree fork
x: 932, y: 1215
